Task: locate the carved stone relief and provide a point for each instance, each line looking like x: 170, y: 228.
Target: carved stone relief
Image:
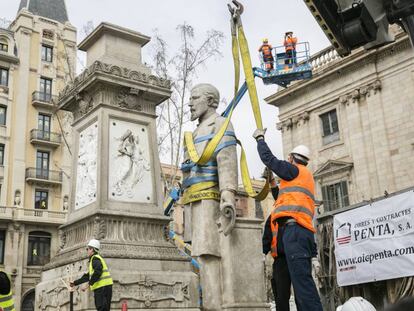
x: 99, y: 228
x: 86, y: 183
x: 149, y: 291
x: 85, y: 103
x: 62, y: 239
x: 99, y: 67
x: 56, y: 299
x: 129, y: 98
x: 129, y: 177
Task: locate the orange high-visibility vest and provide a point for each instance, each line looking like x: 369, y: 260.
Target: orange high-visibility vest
x: 266, y: 49
x: 273, y: 245
x: 296, y: 200
x: 290, y: 43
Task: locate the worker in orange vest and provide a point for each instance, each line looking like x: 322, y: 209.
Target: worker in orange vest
x: 292, y: 226
x: 290, y: 48
x: 266, y: 50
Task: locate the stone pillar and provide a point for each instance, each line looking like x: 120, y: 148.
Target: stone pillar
x: 116, y: 188
x: 243, y: 267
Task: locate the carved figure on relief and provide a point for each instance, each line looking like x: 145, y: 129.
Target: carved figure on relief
x: 87, y: 167
x: 130, y: 163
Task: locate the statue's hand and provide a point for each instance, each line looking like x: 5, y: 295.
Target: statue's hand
x: 227, y: 218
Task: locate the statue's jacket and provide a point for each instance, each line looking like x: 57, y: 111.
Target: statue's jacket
x: 222, y: 167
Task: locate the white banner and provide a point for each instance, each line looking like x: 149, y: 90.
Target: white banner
x: 376, y: 241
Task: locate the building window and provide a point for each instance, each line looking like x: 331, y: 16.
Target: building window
x: 45, y: 89
x: 330, y: 130
x: 41, y: 199
x: 39, y: 248
x: 2, y: 245
x: 42, y: 165
x: 335, y: 196
x: 4, y: 76
x: 3, y: 111
x: 47, y: 53
x: 43, y: 125
x: 1, y: 154
x: 4, y: 47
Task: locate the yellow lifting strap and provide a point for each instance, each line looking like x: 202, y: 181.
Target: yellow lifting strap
x: 236, y: 57
x: 194, y: 193
x: 247, y: 183
x: 248, y: 73
x: 241, y: 43
x: 200, y: 191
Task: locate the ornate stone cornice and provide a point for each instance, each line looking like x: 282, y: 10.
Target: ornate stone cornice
x: 361, y: 92
x: 296, y: 120
x: 128, y: 75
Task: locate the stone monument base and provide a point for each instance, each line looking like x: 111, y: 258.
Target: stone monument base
x: 147, y: 274
x: 243, y: 267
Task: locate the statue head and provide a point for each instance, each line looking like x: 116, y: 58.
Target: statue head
x: 204, y: 100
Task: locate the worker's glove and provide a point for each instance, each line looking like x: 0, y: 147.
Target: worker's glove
x: 268, y: 174
x: 259, y: 133
x: 316, y: 267
x: 72, y: 284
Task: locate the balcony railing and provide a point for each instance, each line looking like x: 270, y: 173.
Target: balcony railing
x: 43, y: 175
x: 40, y: 215
x: 43, y: 99
x: 45, y: 138
x: 324, y: 58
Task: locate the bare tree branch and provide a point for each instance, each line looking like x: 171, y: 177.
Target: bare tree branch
x: 181, y: 68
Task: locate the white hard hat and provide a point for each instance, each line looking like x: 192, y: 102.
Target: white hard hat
x: 95, y: 244
x: 301, y: 150
x: 356, y: 304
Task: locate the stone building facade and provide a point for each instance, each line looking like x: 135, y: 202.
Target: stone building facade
x: 355, y: 115
x: 37, y: 59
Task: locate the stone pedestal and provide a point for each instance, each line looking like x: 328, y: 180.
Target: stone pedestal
x: 116, y: 184
x: 243, y: 267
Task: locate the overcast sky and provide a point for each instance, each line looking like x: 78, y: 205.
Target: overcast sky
x: 261, y: 18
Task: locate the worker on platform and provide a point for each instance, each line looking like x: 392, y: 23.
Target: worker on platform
x: 290, y: 48
x: 6, y: 294
x: 266, y: 50
x: 100, y: 281
x: 292, y: 224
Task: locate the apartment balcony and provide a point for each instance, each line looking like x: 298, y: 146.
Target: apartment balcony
x: 44, y: 138
x: 40, y: 216
x: 43, y: 100
x: 43, y: 177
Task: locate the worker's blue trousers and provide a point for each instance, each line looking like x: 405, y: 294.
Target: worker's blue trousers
x: 297, y: 245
